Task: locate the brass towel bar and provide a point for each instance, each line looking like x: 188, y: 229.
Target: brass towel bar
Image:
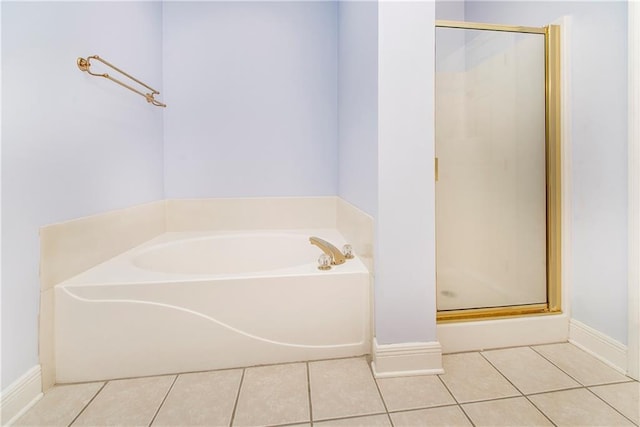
x: 85, y: 64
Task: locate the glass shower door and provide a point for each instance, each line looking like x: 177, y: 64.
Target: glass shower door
x: 491, y: 188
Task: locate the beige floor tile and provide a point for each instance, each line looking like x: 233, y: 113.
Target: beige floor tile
x: 273, y: 395
x: 201, y: 399
x: 60, y: 405
x: 625, y: 397
x: 577, y: 407
x: 404, y: 393
x: 126, y: 402
x: 580, y: 365
x: 369, y: 421
x: 516, y: 411
x: 343, y: 388
x: 470, y: 378
x: 529, y: 371
x: 443, y: 416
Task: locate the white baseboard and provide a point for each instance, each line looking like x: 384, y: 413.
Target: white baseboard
x: 20, y: 396
x: 512, y: 332
x: 603, y: 347
x: 406, y: 359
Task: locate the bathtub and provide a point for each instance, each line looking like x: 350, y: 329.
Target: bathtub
x: 186, y: 302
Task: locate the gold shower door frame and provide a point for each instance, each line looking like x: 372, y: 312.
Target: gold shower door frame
x: 552, y: 173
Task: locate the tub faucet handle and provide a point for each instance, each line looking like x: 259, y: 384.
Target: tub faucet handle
x: 324, y: 262
x: 347, y: 250
x: 337, y: 257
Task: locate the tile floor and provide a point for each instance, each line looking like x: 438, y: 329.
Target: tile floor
x: 556, y: 384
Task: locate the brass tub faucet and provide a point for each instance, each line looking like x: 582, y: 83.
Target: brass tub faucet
x: 337, y: 257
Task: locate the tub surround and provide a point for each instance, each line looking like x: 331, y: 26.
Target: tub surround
x: 70, y: 248
x: 74, y: 246
x: 357, y: 228
x: 267, y: 213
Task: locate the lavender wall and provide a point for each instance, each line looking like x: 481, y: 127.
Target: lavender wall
x: 72, y: 144
x: 358, y: 104
x: 253, y: 93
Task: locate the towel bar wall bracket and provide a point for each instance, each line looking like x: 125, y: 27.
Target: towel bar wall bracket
x: 84, y: 64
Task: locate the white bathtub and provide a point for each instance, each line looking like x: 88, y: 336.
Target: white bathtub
x: 199, y: 301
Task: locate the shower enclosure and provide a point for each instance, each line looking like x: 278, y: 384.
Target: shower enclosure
x: 497, y: 170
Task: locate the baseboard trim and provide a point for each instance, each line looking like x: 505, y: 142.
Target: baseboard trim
x: 20, y: 396
x: 406, y: 359
x: 599, y: 345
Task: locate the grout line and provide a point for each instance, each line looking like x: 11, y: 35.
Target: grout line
x: 499, y: 348
x: 526, y: 396
x: 610, y: 405
x: 540, y: 410
x: 284, y: 425
x: 537, y: 393
x: 309, y: 394
x: 235, y: 405
x: 423, y: 408
x: 554, y: 364
x: 89, y: 402
x: 375, y: 381
x: 509, y: 397
x: 501, y: 374
x: 513, y: 385
x: 163, y: 400
x: 455, y: 399
x: 495, y: 399
x: 580, y: 385
x: 390, y: 419
x: 466, y: 415
x: 351, y: 417
x: 447, y: 388
x: 626, y: 380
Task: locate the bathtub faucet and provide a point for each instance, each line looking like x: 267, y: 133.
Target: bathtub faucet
x: 337, y: 257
